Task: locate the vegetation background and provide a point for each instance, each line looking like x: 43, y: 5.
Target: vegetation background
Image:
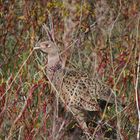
x: 101, y: 37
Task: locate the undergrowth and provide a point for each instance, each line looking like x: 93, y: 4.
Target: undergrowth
x: 104, y: 41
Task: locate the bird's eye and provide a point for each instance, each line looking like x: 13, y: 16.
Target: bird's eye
x: 49, y: 46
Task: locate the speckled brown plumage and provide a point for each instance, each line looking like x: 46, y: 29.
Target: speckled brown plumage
x: 77, y: 89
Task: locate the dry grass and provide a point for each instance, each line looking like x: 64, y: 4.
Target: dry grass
x: 101, y: 38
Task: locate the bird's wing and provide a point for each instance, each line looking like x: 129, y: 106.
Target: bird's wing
x: 77, y: 91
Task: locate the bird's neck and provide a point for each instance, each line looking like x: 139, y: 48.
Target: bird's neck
x: 54, y: 64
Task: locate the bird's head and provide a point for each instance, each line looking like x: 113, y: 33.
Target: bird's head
x: 47, y: 47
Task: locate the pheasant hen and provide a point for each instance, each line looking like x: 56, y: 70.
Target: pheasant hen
x: 76, y: 89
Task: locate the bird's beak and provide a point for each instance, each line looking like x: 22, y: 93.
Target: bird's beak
x: 36, y: 48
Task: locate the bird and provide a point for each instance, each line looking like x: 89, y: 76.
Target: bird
x: 77, y: 90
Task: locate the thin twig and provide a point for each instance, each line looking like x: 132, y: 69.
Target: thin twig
x: 137, y: 97
x: 137, y: 80
x: 20, y: 132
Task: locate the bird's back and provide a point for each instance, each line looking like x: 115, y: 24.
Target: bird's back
x: 76, y: 89
x: 80, y: 90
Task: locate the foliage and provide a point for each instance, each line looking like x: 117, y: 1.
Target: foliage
x: 109, y: 29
